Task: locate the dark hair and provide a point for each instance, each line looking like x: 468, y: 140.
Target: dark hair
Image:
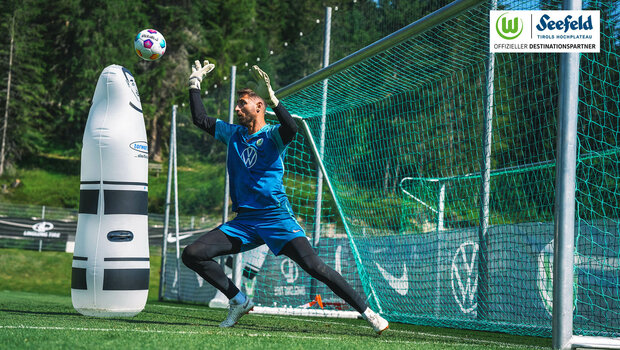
x: 248, y: 92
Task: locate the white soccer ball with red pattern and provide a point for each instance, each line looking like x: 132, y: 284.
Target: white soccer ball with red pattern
x: 150, y: 44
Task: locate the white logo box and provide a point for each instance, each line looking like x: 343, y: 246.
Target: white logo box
x: 544, y: 31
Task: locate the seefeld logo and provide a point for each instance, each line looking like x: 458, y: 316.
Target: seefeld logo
x: 510, y: 28
x: 565, y: 24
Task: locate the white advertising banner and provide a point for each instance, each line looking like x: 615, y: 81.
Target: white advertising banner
x: 544, y: 31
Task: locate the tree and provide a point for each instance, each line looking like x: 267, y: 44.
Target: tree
x: 24, y: 113
x: 8, y: 95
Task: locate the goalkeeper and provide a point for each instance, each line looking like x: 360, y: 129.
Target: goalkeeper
x: 264, y: 215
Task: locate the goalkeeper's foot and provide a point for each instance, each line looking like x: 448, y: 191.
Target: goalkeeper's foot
x: 236, y: 311
x: 378, y: 323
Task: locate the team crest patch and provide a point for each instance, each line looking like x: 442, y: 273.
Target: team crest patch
x: 259, y: 142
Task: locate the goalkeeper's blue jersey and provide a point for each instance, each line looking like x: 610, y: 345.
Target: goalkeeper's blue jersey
x: 255, y: 165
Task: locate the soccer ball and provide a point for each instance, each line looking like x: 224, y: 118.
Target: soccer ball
x: 150, y: 44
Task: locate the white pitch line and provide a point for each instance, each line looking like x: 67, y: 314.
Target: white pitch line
x: 446, y: 337
x: 98, y: 329
x: 264, y: 335
x: 432, y: 335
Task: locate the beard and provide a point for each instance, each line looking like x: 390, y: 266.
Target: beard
x: 244, y: 120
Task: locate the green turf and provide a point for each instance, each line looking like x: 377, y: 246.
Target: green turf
x: 50, y: 272
x: 36, y: 312
x: 29, y: 270
x: 32, y: 320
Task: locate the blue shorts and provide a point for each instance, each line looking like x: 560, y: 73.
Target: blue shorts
x: 255, y: 227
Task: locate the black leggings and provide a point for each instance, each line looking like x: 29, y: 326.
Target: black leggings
x: 199, y: 255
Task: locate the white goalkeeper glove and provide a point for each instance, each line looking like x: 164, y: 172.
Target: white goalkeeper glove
x: 264, y: 89
x: 198, y: 72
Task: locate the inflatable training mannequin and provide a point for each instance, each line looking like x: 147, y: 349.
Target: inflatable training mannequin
x: 110, y: 270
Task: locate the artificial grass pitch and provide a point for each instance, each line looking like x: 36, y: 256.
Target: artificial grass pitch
x: 30, y: 320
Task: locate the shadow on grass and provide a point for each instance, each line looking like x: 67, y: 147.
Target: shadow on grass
x: 311, y: 332
x: 39, y: 313
x: 198, y: 318
x: 161, y: 323
x: 114, y: 319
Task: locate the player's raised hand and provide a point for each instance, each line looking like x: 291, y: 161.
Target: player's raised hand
x: 198, y: 72
x: 264, y: 89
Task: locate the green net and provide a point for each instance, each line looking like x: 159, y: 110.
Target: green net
x: 597, y: 305
x: 404, y: 144
x: 404, y: 151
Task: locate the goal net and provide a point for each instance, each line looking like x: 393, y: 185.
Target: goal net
x: 409, y: 220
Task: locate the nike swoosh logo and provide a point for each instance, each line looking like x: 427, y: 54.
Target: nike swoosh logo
x: 172, y: 238
x: 400, y: 285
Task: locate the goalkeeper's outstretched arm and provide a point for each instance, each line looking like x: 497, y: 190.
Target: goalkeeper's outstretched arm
x: 288, y: 127
x: 199, y: 114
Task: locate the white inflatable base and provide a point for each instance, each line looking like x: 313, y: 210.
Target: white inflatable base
x: 108, y: 312
x: 109, y: 303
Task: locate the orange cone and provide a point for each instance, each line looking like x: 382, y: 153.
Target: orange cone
x: 319, y: 300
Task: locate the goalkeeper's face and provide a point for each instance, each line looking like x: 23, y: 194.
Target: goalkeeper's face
x: 248, y: 109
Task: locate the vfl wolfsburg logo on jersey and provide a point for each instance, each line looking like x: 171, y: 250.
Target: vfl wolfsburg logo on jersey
x: 249, y: 156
